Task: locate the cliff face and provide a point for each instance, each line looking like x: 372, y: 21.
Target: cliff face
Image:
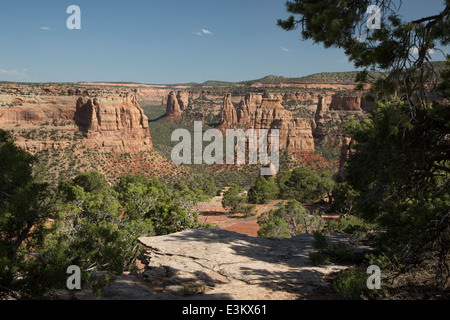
x: 300, y: 137
x: 229, y: 115
x: 257, y: 112
x: 113, y: 123
x: 350, y: 103
x: 345, y: 103
x: 29, y: 111
x: 247, y: 108
x: 183, y: 99
x: 301, y: 96
x: 117, y: 126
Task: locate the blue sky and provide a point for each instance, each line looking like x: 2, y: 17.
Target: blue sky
x: 162, y: 41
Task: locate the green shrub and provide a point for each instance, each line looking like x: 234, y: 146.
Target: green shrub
x: 248, y: 210
x: 291, y: 219
x: 350, y: 225
x: 351, y: 284
x: 304, y: 185
x: 263, y: 190
x: 331, y: 227
x: 339, y: 252
x: 318, y: 258
x: 275, y: 227
x: 353, y: 225
x: 233, y: 198
x: 319, y: 241
x: 192, y: 290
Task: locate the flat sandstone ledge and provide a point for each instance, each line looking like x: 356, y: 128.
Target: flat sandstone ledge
x: 214, y: 264
x: 227, y: 265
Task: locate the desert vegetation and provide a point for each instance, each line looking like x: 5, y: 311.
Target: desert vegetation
x: 398, y: 174
x: 82, y: 221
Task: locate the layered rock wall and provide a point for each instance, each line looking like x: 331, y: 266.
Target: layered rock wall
x: 229, y: 115
x: 257, y: 112
x: 115, y: 125
x: 29, y: 111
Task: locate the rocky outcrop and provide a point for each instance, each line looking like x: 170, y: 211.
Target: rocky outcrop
x: 176, y: 103
x: 346, y: 149
x: 226, y: 265
x: 247, y: 108
x: 257, y: 112
x: 351, y: 103
x: 301, y: 96
x: 346, y: 103
x: 214, y: 264
x: 229, y: 115
x: 183, y: 99
x: 173, y: 107
x: 300, y: 137
x: 36, y: 146
x: 117, y: 126
x: 29, y: 111
x: 322, y: 109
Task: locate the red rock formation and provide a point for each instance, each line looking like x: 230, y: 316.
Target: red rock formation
x: 346, y: 147
x: 229, y: 115
x: 294, y: 134
x: 300, y: 137
x: 247, y: 108
x: 38, y: 146
x: 346, y: 103
x: 36, y: 111
x: 301, y: 96
x: 173, y: 108
x: 115, y: 126
x: 322, y: 109
x: 183, y: 99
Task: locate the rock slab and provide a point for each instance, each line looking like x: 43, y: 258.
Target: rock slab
x: 220, y: 264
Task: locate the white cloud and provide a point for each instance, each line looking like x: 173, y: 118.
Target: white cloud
x: 13, y: 75
x: 206, y: 31
x: 202, y: 32
x: 415, y: 51
x: 11, y: 72
x: 284, y: 49
x: 45, y: 28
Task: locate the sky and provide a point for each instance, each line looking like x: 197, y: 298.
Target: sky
x: 163, y: 41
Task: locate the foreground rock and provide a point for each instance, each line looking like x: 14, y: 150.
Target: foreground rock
x: 218, y: 264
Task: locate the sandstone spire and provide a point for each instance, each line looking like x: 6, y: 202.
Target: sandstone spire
x: 229, y: 115
x: 173, y: 108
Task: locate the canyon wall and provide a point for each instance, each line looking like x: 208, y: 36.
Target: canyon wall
x: 257, y: 112
x: 113, y: 123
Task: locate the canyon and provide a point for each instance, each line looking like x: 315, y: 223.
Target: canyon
x: 112, y: 118
x: 326, y: 113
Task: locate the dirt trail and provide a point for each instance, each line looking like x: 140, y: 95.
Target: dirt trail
x: 213, y: 212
